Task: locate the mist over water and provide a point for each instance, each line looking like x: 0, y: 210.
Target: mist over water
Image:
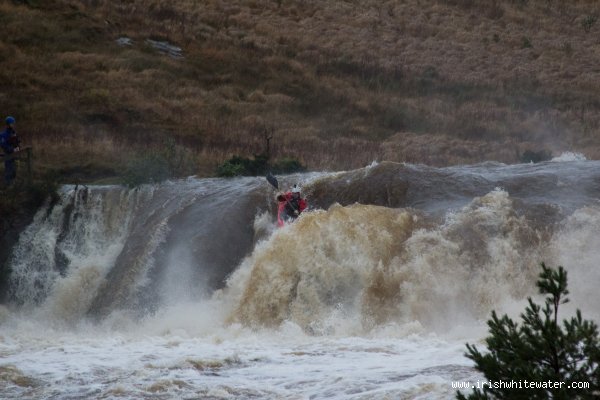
x: 187, y: 288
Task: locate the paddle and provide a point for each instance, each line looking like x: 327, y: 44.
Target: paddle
x: 272, y: 180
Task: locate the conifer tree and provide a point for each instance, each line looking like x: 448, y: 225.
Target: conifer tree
x: 539, y: 350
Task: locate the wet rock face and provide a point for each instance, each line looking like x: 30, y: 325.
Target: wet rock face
x: 11, y: 227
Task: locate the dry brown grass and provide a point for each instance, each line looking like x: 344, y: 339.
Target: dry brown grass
x: 340, y: 83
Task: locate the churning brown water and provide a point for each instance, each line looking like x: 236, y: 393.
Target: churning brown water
x: 187, y: 289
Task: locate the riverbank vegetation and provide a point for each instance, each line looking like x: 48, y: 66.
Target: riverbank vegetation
x: 98, y: 84
x: 539, y: 358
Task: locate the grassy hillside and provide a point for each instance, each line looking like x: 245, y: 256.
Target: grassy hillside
x: 338, y: 83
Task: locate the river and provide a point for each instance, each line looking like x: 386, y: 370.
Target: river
x: 188, y: 290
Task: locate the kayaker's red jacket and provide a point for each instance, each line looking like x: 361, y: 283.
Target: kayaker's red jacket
x: 287, y: 206
x: 288, y: 198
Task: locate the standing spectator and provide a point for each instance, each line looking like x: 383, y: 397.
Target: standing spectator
x: 9, y: 141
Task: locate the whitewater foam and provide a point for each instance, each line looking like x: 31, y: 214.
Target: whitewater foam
x: 367, y: 266
x: 569, y: 156
x: 358, y: 301
x: 84, y: 230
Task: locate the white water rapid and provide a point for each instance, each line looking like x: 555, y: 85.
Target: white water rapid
x: 186, y: 290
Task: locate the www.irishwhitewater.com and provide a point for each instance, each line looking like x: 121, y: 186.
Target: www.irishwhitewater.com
x: 519, y: 384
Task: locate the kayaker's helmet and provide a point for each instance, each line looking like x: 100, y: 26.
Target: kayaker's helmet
x: 10, y: 120
x: 296, y: 189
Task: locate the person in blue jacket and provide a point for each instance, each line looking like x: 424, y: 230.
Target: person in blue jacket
x: 9, y: 142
